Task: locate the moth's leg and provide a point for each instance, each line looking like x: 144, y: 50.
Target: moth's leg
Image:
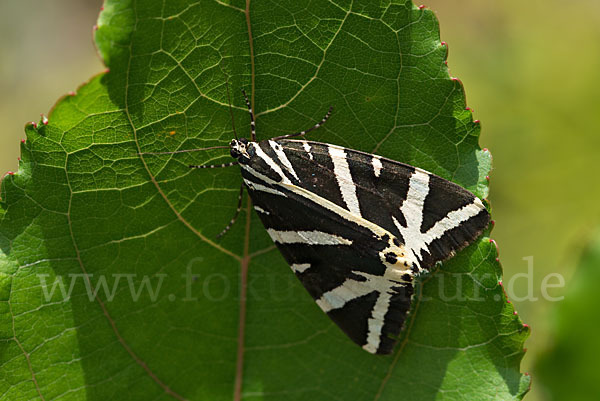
x: 252, y: 123
x: 314, y: 127
x: 235, y: 216
x: 181, y: 151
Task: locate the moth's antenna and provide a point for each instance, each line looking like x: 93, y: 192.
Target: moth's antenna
x: 182, y: 151
x: 252, y: 123
x: 314, y: 127
x: 230, y: 109
x: 214, y: 165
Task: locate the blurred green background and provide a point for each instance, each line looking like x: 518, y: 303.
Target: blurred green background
x: 531, y: 72
x: 46, y: 50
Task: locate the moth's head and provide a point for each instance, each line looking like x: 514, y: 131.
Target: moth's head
x: 238, y: 148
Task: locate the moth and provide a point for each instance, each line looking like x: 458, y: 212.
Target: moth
x: 354, y: 227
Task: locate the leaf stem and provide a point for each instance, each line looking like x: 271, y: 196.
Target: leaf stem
x: 239, y: 371
x: 245, y: 262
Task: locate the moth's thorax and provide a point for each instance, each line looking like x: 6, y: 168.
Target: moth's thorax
x: 261, y: 162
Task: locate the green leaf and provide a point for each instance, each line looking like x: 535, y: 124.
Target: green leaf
x: 85, y: 209
x: 568, y: 369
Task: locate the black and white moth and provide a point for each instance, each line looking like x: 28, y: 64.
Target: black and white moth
x: 355, y: 228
